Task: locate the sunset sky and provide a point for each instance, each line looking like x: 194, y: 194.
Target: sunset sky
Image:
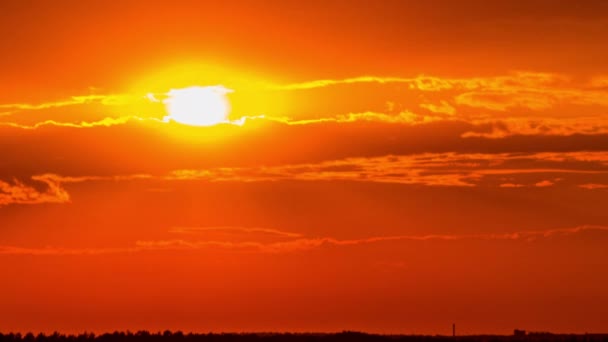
x: 387, y: 166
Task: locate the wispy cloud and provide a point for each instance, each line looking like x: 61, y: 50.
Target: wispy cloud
x: 442, y: 108
x: 594, y: 186
x: 391, y: 169
x: 297, y: 242
x: 107, y: 100
x: 427, y: 169
x: 421, y: 82
x: 58, y: 251
x: 511, y: 185
x: 479, y: 127
x: 305, y: 244
x: 332, y: 82
x: 404, y: 117
x: 248, y: 230
x: 501, y: 128
x: 438, y: 169
x: 532, y: 90
x: 106, y: 122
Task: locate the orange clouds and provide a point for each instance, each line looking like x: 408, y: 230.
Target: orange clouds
x: 198, y: 230
x: 539, y: 127
x: 294, y: 242
x: 556, y: 100
x: 19, y: 193
x: 106, y: 100
x: 593, y: 186
x: 106, y: 122
x: 448, y: 169
x: 299, y: 243
x: 444, y: 107
x: 544, y: 184
x: 536, y: 91
x: 429, y: 169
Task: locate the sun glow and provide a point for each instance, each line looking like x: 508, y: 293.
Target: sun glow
x: 198, y: 106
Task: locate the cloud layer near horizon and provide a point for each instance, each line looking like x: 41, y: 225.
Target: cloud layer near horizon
x: 248, y: 240
x: 506, y: 170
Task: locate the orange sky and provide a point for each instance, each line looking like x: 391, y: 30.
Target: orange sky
x: 387, y: 166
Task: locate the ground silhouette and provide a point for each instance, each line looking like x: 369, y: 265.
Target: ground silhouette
x: 346, y: 336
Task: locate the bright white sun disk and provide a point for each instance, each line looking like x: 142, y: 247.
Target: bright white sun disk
x: 198, y: 106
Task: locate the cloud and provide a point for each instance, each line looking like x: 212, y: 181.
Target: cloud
x: 332, y: 82
x: 58, y: 251
x: 106, y: 100
x: 600, y: 82
x: 106, y: 122
x: 476, y: 128
x: 443, y: 108
x: 531, y: 90
x: 389, y: 169
x: 199, y: 230
x: 404, y: 117
x: 593, y: 186
x: 80, y: 179
x: 544, y: 184
x: 425, y: 169
x: 504, y: 100
x: 534, y: 91
x: 497, y: 129
x: 298, y: 243
x: 305, y: 244
x: 423, y: 82
x: 19, y: 193
x: 16, y: 192
x: 160, y: 148
x: 430, y: 169
x: 511, y: 185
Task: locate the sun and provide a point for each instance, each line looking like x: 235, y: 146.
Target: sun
x: 198, y: 106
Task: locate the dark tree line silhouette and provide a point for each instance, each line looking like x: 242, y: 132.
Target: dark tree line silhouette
x: 346, y: 336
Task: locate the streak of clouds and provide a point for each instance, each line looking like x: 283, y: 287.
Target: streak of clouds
x: 298, y: 243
